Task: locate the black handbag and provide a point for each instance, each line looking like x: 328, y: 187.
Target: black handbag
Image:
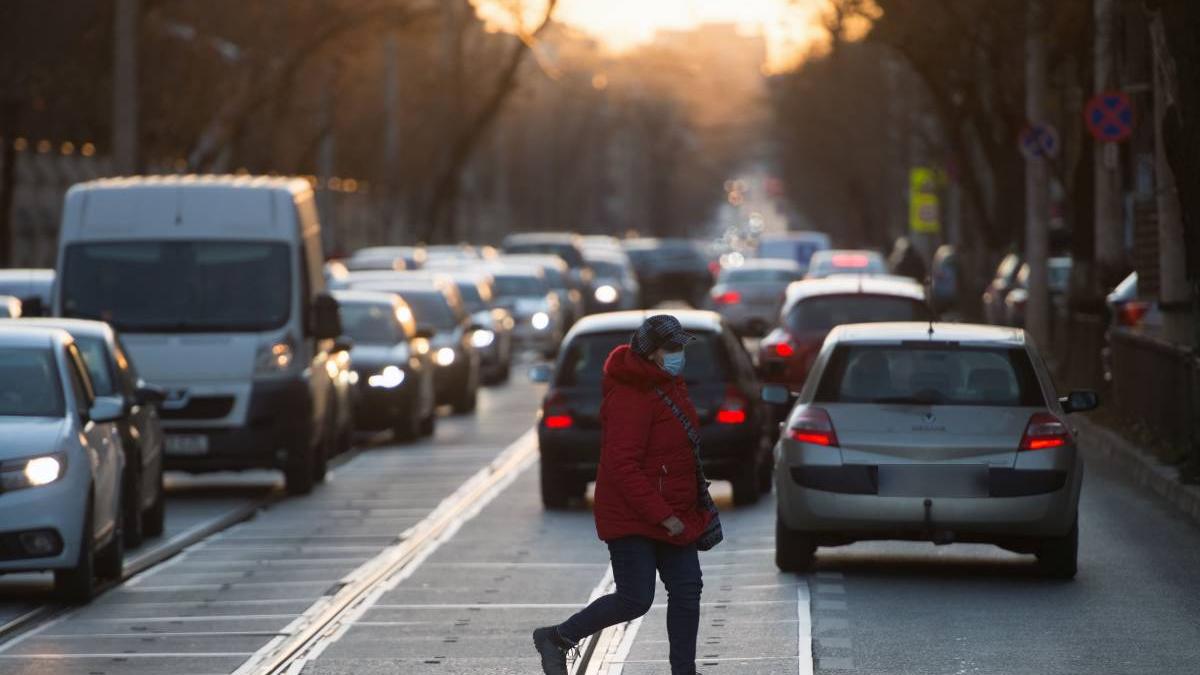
x: 712, y: 534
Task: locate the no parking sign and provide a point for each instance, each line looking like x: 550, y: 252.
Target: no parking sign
x: 1109, y: 116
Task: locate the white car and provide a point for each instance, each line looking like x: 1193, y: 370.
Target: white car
x: 61, y: 463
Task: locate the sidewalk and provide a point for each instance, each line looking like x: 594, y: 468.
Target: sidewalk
x: 1100, y: 442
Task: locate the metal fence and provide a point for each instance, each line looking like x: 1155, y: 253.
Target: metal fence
x: 1078, y: 341
x: 1156, y: 385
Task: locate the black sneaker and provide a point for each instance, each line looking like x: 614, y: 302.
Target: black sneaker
x: 553, y: 650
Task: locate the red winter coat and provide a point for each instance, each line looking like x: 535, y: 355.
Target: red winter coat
x: 647, y: 470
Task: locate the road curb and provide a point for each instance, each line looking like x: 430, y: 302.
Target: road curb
x: 1141, y: 467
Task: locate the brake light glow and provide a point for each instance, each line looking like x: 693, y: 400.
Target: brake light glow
x: 784, y: 350
x: 728, y: 298
x: 731, y: 416
x: 1131, y: 313
x: 733, y: 409
x: 558, y: 422
x: 812, y: 425
x: 1043, y: 432
x: 853, y: 260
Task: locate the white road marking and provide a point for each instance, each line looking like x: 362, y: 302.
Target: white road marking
x: 804, y: 641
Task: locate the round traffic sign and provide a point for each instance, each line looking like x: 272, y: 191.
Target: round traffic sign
x: 1109, y: 116
x: 1039, y: 140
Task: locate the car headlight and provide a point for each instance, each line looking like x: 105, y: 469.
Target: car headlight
x: 606, y: 294
x: 540, y: 321
x: 482, y: 338
x: 388, y: 378
x: 444, y: 356
x: 273, y: 359
x: 32, y: 472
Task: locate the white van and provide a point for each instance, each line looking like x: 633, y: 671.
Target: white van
x: 216, y: 285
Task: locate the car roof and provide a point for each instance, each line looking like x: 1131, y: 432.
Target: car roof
x: 12, y: 334
x: 916, y: 331
x: 515, y: 269
x: 767, y: 264
x: 547, y: 237
x: 690, y: 319
x: 537, y: 259
x: 832, y: 252
x: 27, y: 274
x: 852, y: 284
x: 366, y: 297
x: 76, y: 327
x: 293, y: 185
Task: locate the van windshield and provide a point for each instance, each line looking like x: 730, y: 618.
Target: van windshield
x: 179, y: 286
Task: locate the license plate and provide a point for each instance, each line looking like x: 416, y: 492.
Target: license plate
x: 186, y: 444
x: 907, y: 480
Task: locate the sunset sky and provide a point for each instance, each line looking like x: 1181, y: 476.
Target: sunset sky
x: 790, y: 25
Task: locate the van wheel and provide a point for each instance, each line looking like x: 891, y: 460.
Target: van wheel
x: 556, y: 489
x: 1059, y: 556
x: 794, y: 551
x: 131, y: 501
x: 77, y: 584
x: 155, y: 517
x: 745, y: 485
x: 110, y: 560
x: 300, y: 474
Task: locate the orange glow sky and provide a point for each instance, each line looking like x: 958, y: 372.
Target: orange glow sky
x: 790, y: 25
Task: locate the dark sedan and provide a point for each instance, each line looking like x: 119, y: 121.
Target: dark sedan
x: 393, y: 370
x: 670, y: 269
x: 720, y: 378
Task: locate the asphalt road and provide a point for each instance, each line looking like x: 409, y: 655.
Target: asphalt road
x: 467, y: 602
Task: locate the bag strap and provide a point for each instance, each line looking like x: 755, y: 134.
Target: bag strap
x: 692, y: 434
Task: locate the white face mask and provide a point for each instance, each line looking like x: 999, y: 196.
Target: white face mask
x: 673, y: 362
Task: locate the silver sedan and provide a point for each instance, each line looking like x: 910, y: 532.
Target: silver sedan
x: 929, y: 432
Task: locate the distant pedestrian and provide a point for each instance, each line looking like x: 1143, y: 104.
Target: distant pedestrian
x: 649, y: 503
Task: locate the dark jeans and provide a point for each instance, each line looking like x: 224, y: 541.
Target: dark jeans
x: 634, y: 560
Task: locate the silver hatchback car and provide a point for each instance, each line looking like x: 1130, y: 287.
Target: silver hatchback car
x: 929, y: 432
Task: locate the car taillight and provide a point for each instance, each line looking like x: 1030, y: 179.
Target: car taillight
x: 733, y: 408
x: 555, y: 413
x: 1045, y: 431
x: 813, y: 425
x: 558, y: 421
x: 784, y: 350
x: 1131, y: 313
x: 728, y: 298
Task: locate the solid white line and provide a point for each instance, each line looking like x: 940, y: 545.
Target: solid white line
x: 140, y: 636
x: 484, y: 605
x: 804, y: 651
x: 123, y: 655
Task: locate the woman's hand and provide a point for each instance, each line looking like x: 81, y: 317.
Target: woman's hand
x: 674, y: 526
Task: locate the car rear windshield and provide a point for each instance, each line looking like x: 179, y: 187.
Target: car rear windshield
x: 371, y: 323
x: 519, y: 287
x: 29, y: 385
x: 823, y: 313
x: 744, y: 276
x: 180, y: 286
x: 430, y: 308
x: 930, y: 374
x: 583, y: 363
x: 567, y: 252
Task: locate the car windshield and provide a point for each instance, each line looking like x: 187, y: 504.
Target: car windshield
x: 583, y: 363
x: 514, y: 286
x: 430, y: 308
x: 472, y: 299
x: 822, y: 313
x: 369, y: 323
x: 607, y: 270
x: 930, y: 374
x: 179, y: 286
x: 29, y: 384
x: 757, y: 276
x: 567, y: 252
x: 99, y: 365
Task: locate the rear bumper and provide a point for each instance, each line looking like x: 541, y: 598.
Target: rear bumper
x: 725, y: 450
x: 279, y: 421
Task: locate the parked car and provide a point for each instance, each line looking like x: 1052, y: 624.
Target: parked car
x: 721, y: 382
x: 33, y: 287
x: 945, y: 278
x: 943, y: 433
x: 670, y: 269
x: 798, y: 247
x: 615, y: 284
x: 567, y: 246
x: 216, y: 287
x: 438, y: 310
x: 392, y: 364
x: 538, y: 321
x: 10, y: 307
x: 828, y: 263
x: 571, y: 301
x: 814, y: 307
x: 113, y: 374
x: 394, y: 258
x: 1058, y: 283
x: 749, y: 297
x: 1003, y: 281
x: 61, y: 464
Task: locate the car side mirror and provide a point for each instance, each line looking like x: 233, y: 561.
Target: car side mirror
x: 327, y: 321
x: 107, y: 409
x: 776, y: 393
x: 148, y: 394
x: 1081, y: 400
x: 541, y: 373
x: 341, y: 344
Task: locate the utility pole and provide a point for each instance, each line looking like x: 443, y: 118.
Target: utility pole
x: 1037, y: 188
x: 1110, y: 218
x: 125, y: 88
